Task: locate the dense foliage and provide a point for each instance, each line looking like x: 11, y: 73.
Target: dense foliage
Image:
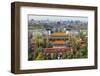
x: 78, y: 45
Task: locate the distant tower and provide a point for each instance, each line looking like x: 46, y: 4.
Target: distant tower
x: 67, y: 32
x: 64, y: 29
x: 49, y: 32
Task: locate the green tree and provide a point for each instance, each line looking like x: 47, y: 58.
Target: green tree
x: 37, y: 39
x: 40, y: 56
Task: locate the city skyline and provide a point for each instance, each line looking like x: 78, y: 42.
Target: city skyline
x: 57, y: 18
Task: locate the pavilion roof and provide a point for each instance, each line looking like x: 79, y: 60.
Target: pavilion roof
x: 59, y: 42
x: 58, y: 34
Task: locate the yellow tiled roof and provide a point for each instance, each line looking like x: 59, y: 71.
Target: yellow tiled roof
x: 58, y: 34
x: 59, y: 42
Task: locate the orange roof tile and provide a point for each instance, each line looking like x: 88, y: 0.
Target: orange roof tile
x: 58, y: 34
x: 59, y: 42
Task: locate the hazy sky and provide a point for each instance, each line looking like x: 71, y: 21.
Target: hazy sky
x: 57, y: 18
